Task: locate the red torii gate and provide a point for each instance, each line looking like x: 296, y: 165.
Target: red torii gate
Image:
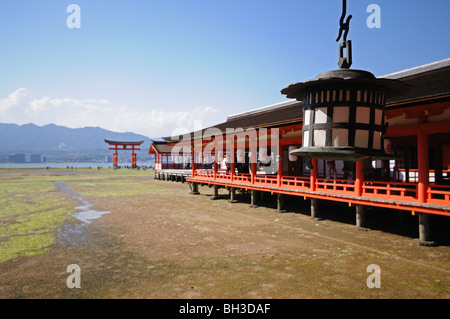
x: 127, y: 146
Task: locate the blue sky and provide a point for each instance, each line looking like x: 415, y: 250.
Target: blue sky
x: 154, y: 66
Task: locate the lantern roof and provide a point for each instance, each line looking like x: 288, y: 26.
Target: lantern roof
x: 346, y: 78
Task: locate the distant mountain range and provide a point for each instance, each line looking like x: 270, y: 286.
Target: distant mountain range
x: 52, y: 140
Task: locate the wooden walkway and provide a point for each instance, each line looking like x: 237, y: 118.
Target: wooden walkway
x: 174, y: 175
x: 393, y: 195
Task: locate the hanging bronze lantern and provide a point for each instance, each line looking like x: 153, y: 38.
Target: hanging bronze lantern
x: 344, y: 110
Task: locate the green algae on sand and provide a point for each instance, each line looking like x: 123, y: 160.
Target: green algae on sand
x: 30, y: 212
x: 32, y: 207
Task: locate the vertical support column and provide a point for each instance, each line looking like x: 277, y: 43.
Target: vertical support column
x: 232, y: 163
x: 280, y: 203
x: 193, y: 164
x: 215, y: 167
x: 279, y: 160
x: 216, y: 192
x: 253, y: 169
x: 253, y: 147
x: 425, y: 230
x: 115, y: 159
x: 423, y: 165
x: 194, y: 189
x: 314, y: 208
x: 254, y: 198
x: 360, y: 216
x: 314, y: 171
x: 313, y: 177
x: 133, y: 160
x: 233, y: 195
x: 359, y: 178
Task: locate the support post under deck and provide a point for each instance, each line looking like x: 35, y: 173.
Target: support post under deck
x: 314, y: 208
x: 233, y: 195
x: 216, y: 192
x: 360, y: 216
x: 195, y: 189
x: 280, y: 203
x: 254, y: 198
x: 425, y: 230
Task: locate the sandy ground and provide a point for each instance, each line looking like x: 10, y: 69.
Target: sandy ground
x: 166, y: 243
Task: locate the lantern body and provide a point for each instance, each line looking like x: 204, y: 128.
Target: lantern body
x: 343, y: 114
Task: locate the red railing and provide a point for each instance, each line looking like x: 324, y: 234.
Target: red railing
x: 207, y: 174
x: 303, y: 183
x: 393, y: 191
x: 438, y: 194
x: 335, y: 186
x: 223, y: 176
x: 390, y: 190
x: 243, y: 178
x: 270, y: 180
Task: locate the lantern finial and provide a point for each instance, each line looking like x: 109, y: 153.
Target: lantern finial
x: 344, y: 61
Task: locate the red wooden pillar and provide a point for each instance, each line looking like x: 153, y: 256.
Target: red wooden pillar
x: 423, y: 165
x: 279, y: 159
x: 193, y: 164
x: 194, y: 168
x: 215, y: 164
x: 253, y: 161
x: 232, y: 163
x: 115, y: 159
x: 133, y: 160
x: 359, y: 178
x: 253, y: 175
x: 313, y: 176
x: 133, y: 157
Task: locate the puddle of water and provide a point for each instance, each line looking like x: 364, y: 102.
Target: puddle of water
x: 75, y: 234
x: 86, y: 214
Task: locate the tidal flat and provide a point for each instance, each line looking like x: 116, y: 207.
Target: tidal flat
x: 158, y: 241
x: 32, y: 206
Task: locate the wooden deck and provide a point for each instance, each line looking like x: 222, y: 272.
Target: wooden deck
x: 394, y: 195
x: 175, y: 175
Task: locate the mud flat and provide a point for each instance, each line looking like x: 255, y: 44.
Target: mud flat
x: 85, y: 213
x: 157, y: 241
